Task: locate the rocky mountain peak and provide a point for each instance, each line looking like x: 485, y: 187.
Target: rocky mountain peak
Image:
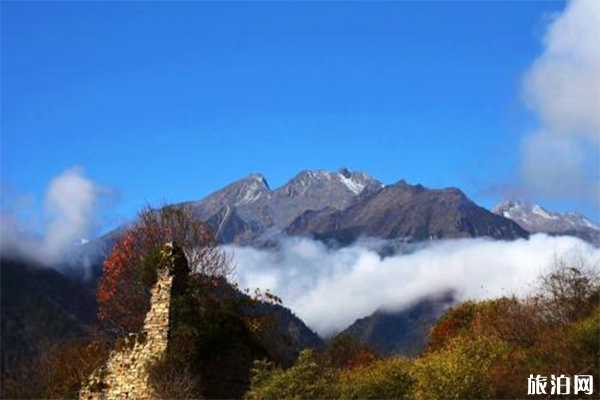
x: 530, y: 214
x: 258, y: 178
x: 358, y: 181
x: 508, y: 208
x: 404, y: 185
x: 536, y: 218
x: 321, y: 181
x: 345, y: 172
x: 251, y: 189
x: 247, y: 190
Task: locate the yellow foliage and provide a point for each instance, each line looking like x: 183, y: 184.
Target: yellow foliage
x: 383, y: 379
x: 460, y: 370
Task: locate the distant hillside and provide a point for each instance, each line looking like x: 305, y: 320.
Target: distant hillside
x: 41, y: 306
x: 400, y: 332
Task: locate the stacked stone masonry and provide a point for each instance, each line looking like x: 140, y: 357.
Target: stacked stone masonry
x: 125, y: 376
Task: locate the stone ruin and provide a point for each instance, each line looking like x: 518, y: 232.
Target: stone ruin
x: 125, y: 374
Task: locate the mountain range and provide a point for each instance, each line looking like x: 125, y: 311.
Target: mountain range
x: 342, y: 206
x: 337, y: 207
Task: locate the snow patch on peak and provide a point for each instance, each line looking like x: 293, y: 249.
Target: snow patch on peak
x: 542, y: 213
x: 353, y: 185
x: 251, y: 189
x: 250, y: 194
x: 318, y: 174
x: 588, y: 223
x: 341, y: 183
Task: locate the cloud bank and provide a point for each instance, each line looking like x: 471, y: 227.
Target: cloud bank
x: 561, y: 159
x: 331, y: 288
x: 69, y: 215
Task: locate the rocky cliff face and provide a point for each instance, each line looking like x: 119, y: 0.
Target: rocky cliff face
x: 125, y: 375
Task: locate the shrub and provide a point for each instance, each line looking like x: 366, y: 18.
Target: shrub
x: 466, y: 318
x: 569, y: 292
x: 460, y: 370
x: 304, y: 380
x: 345, y: 350
x: 585, y: 343
x: 384, y: 379
x: 57, y: 373
x: 209, y: 337
x: 169, y: 381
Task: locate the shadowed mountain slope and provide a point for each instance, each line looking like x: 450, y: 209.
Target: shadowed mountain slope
x: 400, y: 332
x: 408, y: 212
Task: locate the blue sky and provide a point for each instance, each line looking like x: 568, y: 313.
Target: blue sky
x: 170, y: 101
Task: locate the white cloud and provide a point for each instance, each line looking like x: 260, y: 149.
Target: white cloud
x: 560, y: 167
x: 70, y: 201
x: 329, y: 289
x: 563, y: 83
x: 561, y: 159
x: 69, y: 208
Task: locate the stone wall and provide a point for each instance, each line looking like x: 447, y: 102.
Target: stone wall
x: 125, y: 376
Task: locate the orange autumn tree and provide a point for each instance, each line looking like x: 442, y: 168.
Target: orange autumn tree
x: 129, y: 271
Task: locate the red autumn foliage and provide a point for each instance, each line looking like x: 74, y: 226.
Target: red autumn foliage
x: 363, y: 358
x: 55, y: 373
x: 453, y: 321
x: 345, y: 351
x: 119, y: 291
x: 130, y: 270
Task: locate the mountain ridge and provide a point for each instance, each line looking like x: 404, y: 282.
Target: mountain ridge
x: 341, y: 206
x: 407, y: 212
